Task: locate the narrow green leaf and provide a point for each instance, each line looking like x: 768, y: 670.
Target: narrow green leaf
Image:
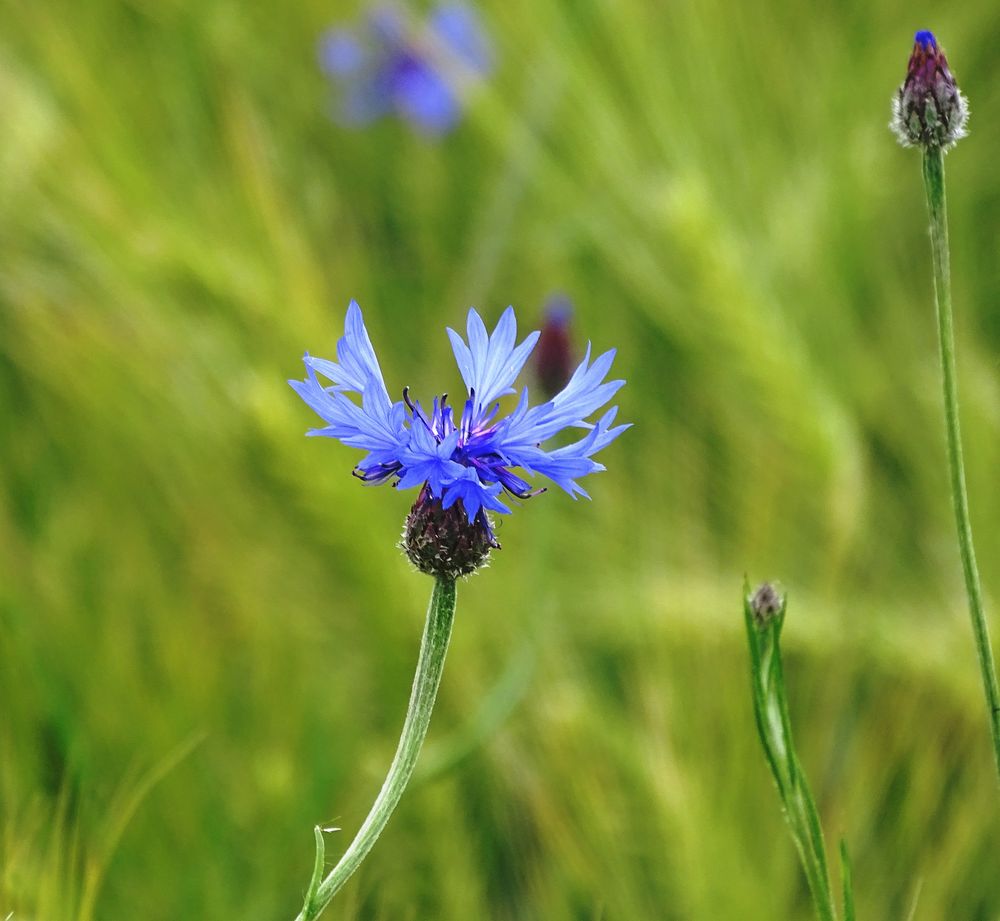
x: 845, y: 872
x: 317, y: 875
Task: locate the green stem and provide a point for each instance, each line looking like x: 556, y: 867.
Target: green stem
x: 774, y: 727
x: 934, y: 185
x: 433, y: 647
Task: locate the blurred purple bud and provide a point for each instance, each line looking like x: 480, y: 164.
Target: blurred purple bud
x: 554, y: 353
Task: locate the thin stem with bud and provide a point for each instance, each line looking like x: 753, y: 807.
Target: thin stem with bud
x: 764, y: 613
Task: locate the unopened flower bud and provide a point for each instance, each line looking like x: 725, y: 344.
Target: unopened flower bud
x: 929, y: 110
x: 441, y: 542
x: 553, y: 355
x: 766, y: 604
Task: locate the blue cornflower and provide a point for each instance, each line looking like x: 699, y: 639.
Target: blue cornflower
x: 418, y: 74
x: 466, y: 462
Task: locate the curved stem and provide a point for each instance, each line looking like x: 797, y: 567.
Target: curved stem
x: 433, y: 647
x: 934, y: 185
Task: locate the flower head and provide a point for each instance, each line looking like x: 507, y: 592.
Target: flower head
x: 471, y: 459
x: 388, y: 66
x: 929, y: 110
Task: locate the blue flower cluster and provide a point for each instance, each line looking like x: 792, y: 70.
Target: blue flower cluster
x: 418, y: 74
x: 475, y: 457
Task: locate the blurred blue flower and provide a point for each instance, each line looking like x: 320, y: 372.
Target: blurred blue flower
x: 387, y: 66
x: 474, y: 458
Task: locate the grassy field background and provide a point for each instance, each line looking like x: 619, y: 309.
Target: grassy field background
x: 207, y: 634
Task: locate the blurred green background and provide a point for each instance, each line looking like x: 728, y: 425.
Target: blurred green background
x: 207, y: 634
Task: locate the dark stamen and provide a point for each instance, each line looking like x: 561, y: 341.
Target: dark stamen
x: 418, y: 413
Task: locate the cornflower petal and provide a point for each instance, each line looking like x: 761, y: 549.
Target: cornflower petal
x: 387, y: 25
x: 489, y: 365
x: 424, y: 97
x: 582, y: 395
x: 375, y: 426
x: 425, y: 460
x: 459, y: 29
x: 605, y: 433
x: 364, y: 100
x: 358, y: 367
x: 341, y: 54
x: 321, y: 401
x: 564, y: 465
x: 474, y: 495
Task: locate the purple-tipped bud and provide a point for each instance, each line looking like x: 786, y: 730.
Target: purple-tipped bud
x: 554, y: 354
x: 766, y: 604
x: 441, y: 542
x: 929, y: 110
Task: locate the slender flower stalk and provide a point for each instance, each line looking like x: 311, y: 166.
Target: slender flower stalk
x: 433, y: 647
x: 764, y: 612
x: 930, y: 112
x: 936, y: 205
